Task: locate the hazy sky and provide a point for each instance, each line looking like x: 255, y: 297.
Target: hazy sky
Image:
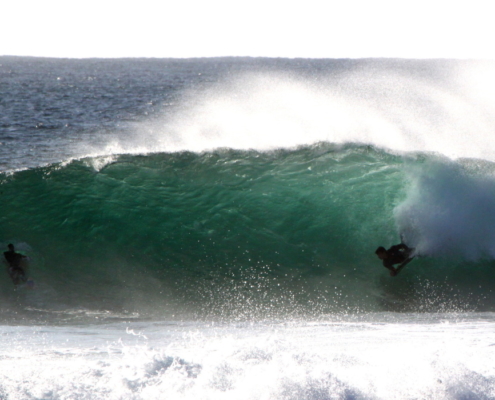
x: 272, y: 28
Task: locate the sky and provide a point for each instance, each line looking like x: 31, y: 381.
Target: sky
x: 258, y: 28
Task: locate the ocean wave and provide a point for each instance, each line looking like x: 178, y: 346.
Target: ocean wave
x: 243, y: 233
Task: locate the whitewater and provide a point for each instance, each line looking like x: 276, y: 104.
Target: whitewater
x: 206, y: 228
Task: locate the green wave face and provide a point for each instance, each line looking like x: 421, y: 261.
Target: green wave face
x: 242, y: 233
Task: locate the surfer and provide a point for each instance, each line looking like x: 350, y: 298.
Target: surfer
x: 397, y: 254
x: 14, y: 260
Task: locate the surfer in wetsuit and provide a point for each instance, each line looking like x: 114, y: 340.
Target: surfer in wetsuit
x: 397, y: 254
x: 14, y: 260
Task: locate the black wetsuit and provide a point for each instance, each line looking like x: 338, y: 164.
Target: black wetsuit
x: 396, y: 255
x: 16, y: 271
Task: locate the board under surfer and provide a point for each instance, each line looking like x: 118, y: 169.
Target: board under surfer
x: 14, y: 260
x: 397, y: 254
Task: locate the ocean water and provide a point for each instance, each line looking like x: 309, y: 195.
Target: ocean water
x: 206, y: 228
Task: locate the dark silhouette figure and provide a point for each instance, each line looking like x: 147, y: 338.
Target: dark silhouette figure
x: 14, y: 261
x: 398, y: 254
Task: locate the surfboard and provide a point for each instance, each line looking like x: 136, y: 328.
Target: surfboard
x: 404, y: 263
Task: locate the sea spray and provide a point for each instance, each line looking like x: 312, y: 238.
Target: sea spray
x: 450, y: 209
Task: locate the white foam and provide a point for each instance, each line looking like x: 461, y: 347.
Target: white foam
x: 440, y: 359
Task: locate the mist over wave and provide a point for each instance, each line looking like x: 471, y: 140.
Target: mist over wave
x: 377, y: 103
x: 143, y: 106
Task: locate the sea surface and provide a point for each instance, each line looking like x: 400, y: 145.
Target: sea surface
x: 206, y: 228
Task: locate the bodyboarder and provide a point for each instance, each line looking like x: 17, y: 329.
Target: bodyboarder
x: 14, y: 261
x: 397, y: 254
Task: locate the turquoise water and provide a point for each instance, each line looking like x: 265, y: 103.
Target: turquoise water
x: 255, y: 234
